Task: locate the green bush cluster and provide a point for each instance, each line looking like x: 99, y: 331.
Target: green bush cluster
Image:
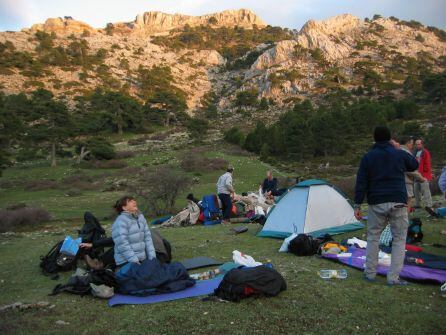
x: 232, y: 43
x: 327, y: 129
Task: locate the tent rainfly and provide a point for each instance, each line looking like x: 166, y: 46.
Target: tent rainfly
x: 311, y: 207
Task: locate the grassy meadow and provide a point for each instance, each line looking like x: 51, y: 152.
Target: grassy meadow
x: 310, y: 305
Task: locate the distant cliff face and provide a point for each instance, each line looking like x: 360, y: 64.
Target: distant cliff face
x: 62, y: 26
x: 154, y: 22
x: 341, y: 52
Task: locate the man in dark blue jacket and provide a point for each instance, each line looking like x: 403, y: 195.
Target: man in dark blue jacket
x: 381, y: 178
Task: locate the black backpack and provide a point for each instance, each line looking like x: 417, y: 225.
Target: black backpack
x: 302, y: 245
x: 80, y: 285
x: 162, y: 257
x: 54, y: 261
x: 414, y: 233
x: 92, y: 229
x: 246, y: 282
x: 306, y: 245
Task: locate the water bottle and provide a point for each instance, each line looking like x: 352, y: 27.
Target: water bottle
x: 328, y: 274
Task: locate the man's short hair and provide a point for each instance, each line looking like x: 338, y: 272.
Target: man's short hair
x: 405, y: 139
x: 381, y: 134
x: 230, y: 168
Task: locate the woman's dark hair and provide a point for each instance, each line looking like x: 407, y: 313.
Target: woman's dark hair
x: 121, y: 202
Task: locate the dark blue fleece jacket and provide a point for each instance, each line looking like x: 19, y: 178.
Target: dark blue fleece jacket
x: 381, y: 175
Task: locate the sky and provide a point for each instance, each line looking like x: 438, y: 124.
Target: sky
x: 18, y: 14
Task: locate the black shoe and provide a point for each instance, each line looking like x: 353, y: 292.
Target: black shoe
x: 431, y: 212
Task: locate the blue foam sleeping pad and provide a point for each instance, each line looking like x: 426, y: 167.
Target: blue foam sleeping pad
x: 202, y: 287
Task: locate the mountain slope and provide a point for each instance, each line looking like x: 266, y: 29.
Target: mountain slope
x: 231, y: 54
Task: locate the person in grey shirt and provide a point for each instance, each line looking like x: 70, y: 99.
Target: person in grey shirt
x: 225, y: 190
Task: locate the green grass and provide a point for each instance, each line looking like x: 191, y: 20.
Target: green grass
x: 309, y: 306
x: 249, y: 173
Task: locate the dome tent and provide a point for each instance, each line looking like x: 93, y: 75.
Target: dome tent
x: 312, y: 207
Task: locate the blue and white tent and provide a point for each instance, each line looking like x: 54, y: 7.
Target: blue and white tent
x: 312, y: 207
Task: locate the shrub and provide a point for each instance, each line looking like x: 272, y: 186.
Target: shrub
x: 137, y: 141
x: 346, y: 185
x: 160, y: 189
x: 26, y: 216
x: 234, y: 136
x: 73, y: 192
x: 100, y: 148
x: 198, y: 163
x: 40, y: 185
x: 125, y: 154
x: 110, y: 164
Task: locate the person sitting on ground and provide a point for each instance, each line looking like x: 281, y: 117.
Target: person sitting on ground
x: 191, y: 197
x: 225, y: 191
x: 381, y: 177
x: 104, y: 260
x: 269, y: 186
x: 421, y: 189
x: 407, y: 144
x: 131, y: 235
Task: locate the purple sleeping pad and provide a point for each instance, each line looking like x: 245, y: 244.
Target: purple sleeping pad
x: 410, y: 272
x: 202, y: 287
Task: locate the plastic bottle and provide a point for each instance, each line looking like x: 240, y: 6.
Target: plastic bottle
x: 328, y: 274
x: 205, y: 275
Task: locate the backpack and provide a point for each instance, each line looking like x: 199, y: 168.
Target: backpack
x: 211, y: 210
x: 302, y: 245
x: 92, y: 229
x: 414, y: 233
x: 54, y: 261
x: 80, y: 283
x: 162, y: 257
x: 257, y: 281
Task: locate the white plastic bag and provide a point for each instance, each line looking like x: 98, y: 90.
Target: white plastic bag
x: 242, y: 259
x: 286, y: 243
x: 259, y: 210
x: 261, y: 196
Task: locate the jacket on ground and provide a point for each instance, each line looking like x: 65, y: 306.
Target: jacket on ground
x: 381, y: 175
x: 425, y: 167
x: 132, y: 238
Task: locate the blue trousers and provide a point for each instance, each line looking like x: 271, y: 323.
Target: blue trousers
x: 226, y: 203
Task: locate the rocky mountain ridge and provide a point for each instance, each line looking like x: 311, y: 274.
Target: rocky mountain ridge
x: 150, y: 23
x: 342, y: 52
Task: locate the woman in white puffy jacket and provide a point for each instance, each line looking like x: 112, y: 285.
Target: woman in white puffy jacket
x: 131, y: 235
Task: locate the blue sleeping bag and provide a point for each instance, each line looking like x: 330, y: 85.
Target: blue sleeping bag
x: 211, y: 210
x: 152, y: 277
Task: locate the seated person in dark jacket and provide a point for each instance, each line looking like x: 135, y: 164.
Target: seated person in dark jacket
x: 104, y: 260
x: 107, y: 260
x: 269, y: 186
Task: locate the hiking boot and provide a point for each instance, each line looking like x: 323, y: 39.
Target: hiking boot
x: 398, y: 282
x: 93, y: 263
x: 431, y: 212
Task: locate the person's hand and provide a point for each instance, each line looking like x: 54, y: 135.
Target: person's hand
x: 358, y: 214
x: 86, y: 245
